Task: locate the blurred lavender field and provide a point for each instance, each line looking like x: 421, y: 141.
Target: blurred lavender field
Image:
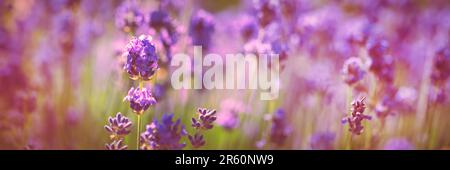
x: 353, y: 74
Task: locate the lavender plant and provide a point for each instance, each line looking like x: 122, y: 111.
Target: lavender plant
x: 163, y: 135
x: 356, y: 117
x: 204, y: 122
x: 141, y: 65
x: 119, y: 126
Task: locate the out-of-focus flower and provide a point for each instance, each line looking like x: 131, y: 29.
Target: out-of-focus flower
x: 352, y: 70
x: 64, y: 30
x: 119, y: 126
x: 280, y: 128
x: 142, y: 60
x: 116, y: 145
x: 322, y: 141
x: 406, y: 98
x: 128, y: 17
x: 164, y: 135
x: 380, y: 62
x: 228, y: 116
x: 356, y: 117
x: 174, y: 6
x: 258, y: 47
x: 289, y: 8
x: 249, y: 29
x: 267, y: 11
x: 205, y: 119
x: 73, y: 116
x: 280, y: 48
x: 441, y: 67
x: 437, y: 95
x: 140, y: 100
x: 387, y: 103
x: 166, y: 29
x: 201, y: 29
x: 398, y: 144
x: 197, y: 140
x: 159, y: 19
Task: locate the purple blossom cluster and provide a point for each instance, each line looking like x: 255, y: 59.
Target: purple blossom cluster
x: 205, y: 119
x: 353, y: 71
x: 201, y: 29
x: 55, y: 66
x: 142, y: 59
x: 440, y: 74
x: 163, y: 135
x: 380, y: 63
x: 280, y: 128
x: 140, y: 99
x: 119, y: 126
x: 356, y: 117
x: 128, y: 17
x: 322, y: 141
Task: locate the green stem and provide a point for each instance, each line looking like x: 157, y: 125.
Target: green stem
x: 138, y: 132
x: 138, y: 142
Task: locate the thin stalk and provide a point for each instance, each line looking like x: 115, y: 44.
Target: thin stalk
x: 138, y: 142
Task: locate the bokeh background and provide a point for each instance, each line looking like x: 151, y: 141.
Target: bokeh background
x: 61, y: 71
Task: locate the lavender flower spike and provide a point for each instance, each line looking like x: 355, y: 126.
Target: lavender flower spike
x: 280, y: 128
x: 201, y: 29
x: 119, y: 126
x: 352, y: 71
x: 142, y: 60
x: 128, y: 17
x: 205, y: 119
x: 197, y: 140
x: 164, y: 135
x: 140, y: 100
x: 356, y: 117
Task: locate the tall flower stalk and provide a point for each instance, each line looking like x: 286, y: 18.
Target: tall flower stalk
x: 142, y: 64
x: 204, y: 122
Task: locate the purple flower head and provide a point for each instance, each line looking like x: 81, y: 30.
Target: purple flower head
x: 289, y: 8
x: 64, y: 30
x: 197, y: 140
x: 380, y: 63
x: 228, y: 116
x: 441, y: 67
x: 280, y: 48
x: 377, y: 48
x: 398, y: 144
x: 116, y: 145
x: 280, y: 128
x: 352, y: 70
x: 205, y: 119
x: 249, y: 29
x: 159, y: 19
x: 322, y: 141
x: 163, y: 24
x: 119, y: 126
x: 267, y: 11
x: 228, y: 119
x: 128, y: 17
x: 140, y: 100
x: 356, y: 117
x: 142, y: 60
x: 174, y: 6
x: 164, y: 135
x: 201, y: 29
